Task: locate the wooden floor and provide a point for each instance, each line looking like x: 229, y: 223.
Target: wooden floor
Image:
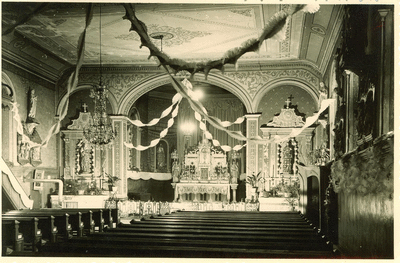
x: 209, y: 234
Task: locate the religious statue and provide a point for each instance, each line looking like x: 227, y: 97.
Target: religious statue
x: 84, y: 157
x: 323, y: 93
x: 176, y: 170
x: 287, y: 157
x: 234, y: 172
x: 192, y: 168
x: 218, y: 168
x: 160, y: 158
x: 32, y: 104
x: 29, y: 145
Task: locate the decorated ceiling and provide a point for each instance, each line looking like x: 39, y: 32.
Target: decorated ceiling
x: 47, y: 34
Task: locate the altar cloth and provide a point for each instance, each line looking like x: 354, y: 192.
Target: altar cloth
x: 148, y: 175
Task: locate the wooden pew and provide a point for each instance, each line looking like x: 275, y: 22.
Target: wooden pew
x: 28, y: 226
x: 46, y: 224
x: 102, y: 216
x: 61, y: 221
x: 108, y: 218
x: 204, y: 238
x: 11, y: 236
x: 75, y: 218
x: 87, y: 217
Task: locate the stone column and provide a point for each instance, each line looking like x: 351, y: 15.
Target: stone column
x: 234, y: 189
x: 174, y: 186
x: 381, y: 108
x: 252, y: 147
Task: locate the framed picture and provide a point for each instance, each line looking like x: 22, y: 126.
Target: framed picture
x: 39, y: 174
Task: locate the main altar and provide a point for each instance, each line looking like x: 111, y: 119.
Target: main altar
x: 204, y: 175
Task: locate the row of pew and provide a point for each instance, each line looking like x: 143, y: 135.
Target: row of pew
x: 203, y: 234
x: 26, y: 231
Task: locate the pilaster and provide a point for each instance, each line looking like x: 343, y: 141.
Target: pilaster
x: 252, y: 151
x: 120, y: 154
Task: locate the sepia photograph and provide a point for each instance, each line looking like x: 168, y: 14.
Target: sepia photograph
x: 205, y: 130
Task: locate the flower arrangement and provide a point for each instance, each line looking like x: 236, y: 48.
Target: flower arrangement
x: 111, y: 180
x: 369, y: 172
x: 71, y: 187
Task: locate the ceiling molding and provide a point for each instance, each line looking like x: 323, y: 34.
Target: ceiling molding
x: 333, y: 39
x: 25, y: 67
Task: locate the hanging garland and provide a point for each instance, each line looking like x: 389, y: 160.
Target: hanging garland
x: 273, y: 29
x: 175, y: 100
x: 163, y: 133
x: 367, y: 173
x: 71, y: 85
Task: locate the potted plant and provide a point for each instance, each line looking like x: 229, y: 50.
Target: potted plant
x: 111, y: 180
x: 253, y: 181
x: 81, y: 189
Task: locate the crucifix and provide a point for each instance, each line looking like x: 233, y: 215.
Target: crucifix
x: 288, y: 101
x: 84, y: 106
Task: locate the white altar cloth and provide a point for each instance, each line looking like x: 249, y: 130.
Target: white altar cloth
x: 148, y: 175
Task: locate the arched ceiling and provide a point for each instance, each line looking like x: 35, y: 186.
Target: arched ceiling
x: 49, y: 37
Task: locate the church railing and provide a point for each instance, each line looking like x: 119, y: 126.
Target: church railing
x: 140, y: 209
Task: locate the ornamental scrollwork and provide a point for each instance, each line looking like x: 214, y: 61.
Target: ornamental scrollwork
x: 253, y: 81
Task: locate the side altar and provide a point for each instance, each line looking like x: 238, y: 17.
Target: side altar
x: 204, y: 175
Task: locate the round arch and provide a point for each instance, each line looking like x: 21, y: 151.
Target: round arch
x: 158, y: 80
x: 6, y: 80
x: 63, y: 101
x: 266, y: 88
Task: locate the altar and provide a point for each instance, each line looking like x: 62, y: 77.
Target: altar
x: 79, y: 201
x: 204, y: 175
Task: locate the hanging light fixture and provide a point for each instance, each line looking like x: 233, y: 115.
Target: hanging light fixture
x: 100, y: 131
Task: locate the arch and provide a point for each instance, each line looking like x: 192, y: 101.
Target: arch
x: 111, y: 98
x: 9, y: 124
x: 155, y: 81
x: 7, y: 81
x: 280, y: 82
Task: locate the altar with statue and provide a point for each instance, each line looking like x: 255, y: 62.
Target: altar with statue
x: 204, y: 175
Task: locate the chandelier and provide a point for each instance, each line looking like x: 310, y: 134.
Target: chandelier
x: 100, y: 131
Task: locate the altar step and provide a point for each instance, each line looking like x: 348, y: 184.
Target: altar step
x: 203, y: 235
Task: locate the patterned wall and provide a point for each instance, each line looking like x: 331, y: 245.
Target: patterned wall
x: 274, y: 100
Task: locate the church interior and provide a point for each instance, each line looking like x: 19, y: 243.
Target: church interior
x: 197, y: 130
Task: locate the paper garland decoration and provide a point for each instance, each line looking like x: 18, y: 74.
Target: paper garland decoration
x: 175, y: 100
x: 272, y: 28
x: 71, y: 85
x: 163, y: 133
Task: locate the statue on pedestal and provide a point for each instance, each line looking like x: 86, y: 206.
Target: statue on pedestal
x: 176, y: 170
x: 234, y: 172
x: 27, y: 151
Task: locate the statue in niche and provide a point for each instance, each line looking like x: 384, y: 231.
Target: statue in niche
x: 28, y: 148
x: 192, y: 168
x: 84, y: 157
x: 218, y: 168
x: 160, y: 158
x: 287, y: 158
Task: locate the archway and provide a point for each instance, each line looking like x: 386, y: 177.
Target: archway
x: 153, y: 96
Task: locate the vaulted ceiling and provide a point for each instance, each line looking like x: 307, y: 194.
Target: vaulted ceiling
x: 43, y: 37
